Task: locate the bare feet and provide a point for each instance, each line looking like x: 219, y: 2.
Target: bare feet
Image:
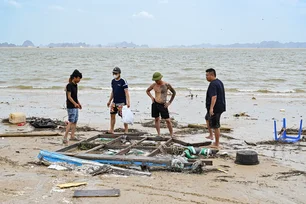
x: 214, y: 146
x: 210, y: 137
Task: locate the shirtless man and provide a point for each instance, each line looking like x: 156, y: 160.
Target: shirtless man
x: 159, y: 103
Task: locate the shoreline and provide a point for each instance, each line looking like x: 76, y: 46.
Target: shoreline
x: 268, y: 182
x: 263, y: 110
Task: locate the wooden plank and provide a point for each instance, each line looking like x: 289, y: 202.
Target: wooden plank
x: 30, y: 134
x: 120, y: 134
x: 133, y: 137
x: 127, y: 149
x: 102, y: 145
x: 179, y: 142
x: 97, y: 193
x: 133, y: 160
x: 197, y: 144
x: 155, y: 152
x: 75, y: 145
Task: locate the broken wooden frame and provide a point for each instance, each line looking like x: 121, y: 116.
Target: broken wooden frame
x: 121, y: 159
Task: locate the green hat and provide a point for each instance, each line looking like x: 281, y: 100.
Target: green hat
x: 157, y: 76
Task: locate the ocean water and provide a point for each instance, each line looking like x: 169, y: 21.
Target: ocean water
x: 265, y: 71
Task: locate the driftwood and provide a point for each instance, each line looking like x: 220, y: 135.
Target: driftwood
x: 30, y: 134
x: 204, y: 126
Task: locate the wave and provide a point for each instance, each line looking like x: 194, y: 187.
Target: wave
x: 33, y: 87
x: 275, y: 80
x: 143, y: 88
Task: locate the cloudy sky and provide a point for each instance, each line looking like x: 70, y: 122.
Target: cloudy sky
x: 152, y: 22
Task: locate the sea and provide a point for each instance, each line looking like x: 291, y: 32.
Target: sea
x: 274, y: 71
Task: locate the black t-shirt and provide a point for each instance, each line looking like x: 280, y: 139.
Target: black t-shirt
x: 73, y: 89
x: 216, y: 88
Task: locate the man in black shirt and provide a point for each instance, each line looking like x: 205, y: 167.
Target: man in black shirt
x: 73, y: 104
x: 215, y: 105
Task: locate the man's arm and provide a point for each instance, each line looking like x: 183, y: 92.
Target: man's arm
x: 212, y: 105
x: 71, y: 100
x: 172, y: 91
x: 127, y: 95
x: 149, y: 92
x: 110, y: 99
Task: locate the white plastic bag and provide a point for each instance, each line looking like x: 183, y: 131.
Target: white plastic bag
x: 127, y: 115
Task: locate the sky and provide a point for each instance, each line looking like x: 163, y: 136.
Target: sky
x: 153, y: 22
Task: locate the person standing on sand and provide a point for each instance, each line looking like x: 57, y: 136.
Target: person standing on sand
x: 159, y: 103
x: 118, y: 98
x: 215, y: 105
x: 73, y: 104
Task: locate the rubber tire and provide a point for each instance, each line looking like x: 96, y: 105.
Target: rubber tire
x: 247, y: 157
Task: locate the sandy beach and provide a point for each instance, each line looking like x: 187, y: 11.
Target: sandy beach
x: 279, y: 178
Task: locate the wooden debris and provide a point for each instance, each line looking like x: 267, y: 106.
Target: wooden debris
x: 31, y: 134
x: 204, y: 126
x: 97, y: 193
x: 69, y: 185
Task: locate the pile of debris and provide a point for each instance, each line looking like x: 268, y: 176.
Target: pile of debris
x: 117, y: 153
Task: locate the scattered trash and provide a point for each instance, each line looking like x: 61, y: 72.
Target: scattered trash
x: 282, y: 110
x: 97, y: 193
x: 190, y: 152
x: 43, y: 123
x: 17, y: 117
x: 250, y: 143
x: 57, y: 167
x: 222, y: 170
x: 242, y: 114
x: 69, y: 185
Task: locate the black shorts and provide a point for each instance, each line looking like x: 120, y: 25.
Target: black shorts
x: 159, y: 109
x: 214, y: 120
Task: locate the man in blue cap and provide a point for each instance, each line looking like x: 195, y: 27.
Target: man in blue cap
x: 119, y: 97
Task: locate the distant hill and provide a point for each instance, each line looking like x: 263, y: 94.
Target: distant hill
x: 263, y: 44
x: 27, y: 43
x: 7, y: 45
x: 126, y: 45
x: 80, y: 44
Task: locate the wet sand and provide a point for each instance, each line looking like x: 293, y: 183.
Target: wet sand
x: 274, y: 180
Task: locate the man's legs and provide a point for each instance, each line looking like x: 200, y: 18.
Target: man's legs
x: 157, y: 125
x: 207, y: 118
x: 169, y: 125
x: 217, y: 136
x: 65, y: 140
x: 215, y: 124
x: 211, y: 136
x: 126, y: 128
x: 112, y: 123
x: 73, y: 127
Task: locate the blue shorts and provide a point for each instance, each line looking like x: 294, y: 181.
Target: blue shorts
x: 73, y: 115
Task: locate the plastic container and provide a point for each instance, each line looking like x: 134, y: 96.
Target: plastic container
x: 16, y: 118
